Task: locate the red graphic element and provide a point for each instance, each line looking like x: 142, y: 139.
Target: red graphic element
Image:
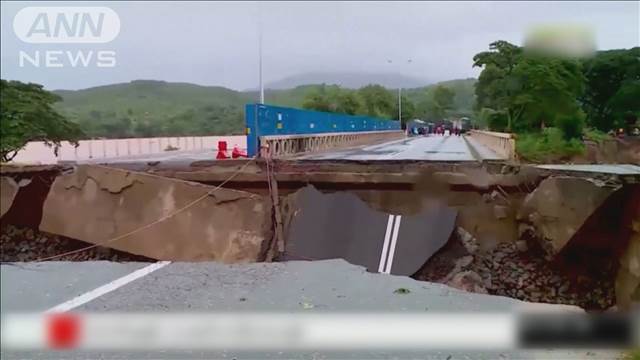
x: 63, y: 331
x: 236, y: 153
x: 222, y: 150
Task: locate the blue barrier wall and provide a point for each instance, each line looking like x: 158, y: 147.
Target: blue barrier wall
x: 263, y: 120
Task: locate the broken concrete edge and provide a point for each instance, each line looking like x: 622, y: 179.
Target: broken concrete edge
x: 128, y: 178
x: 12, y: 168
x: 102, y: 203
x: 607, y: 177
x: 469, y: 177
x: 385, y: 173
x: 521, y: 306
x: 602, y: 235
x: 555, y: 215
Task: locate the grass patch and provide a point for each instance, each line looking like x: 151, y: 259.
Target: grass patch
x: 596, y: 135
x: 401, y: 291
x: 548, y: 145
x: 632, y: 355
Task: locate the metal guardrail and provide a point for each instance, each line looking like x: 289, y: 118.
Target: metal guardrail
x: 283, y: 145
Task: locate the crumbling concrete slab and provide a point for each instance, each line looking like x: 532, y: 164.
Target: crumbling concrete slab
x: 341, y: 225
x: 559, y: 207
x: 97, y: 204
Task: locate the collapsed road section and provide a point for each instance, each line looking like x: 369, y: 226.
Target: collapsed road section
x: 141, y: 214
x: 340, y: 225
x: 560, y: 235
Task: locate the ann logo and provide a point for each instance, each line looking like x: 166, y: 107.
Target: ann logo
x: 65, y: 25
x: 79, y: 25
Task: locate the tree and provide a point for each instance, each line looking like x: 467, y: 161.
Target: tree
x: 333, y: 99
x: 612, y: 88
x: 529, y: 90
x: 443, y: 100
x: 27, y: 114
x: 348, y: 102
x: 495, y: 87
x: 317, y: 100
x: 408, y: 110
x: 436, y: 104
x: 116, y: 127
x: 179, y: 125
x: 376, y: 101
x: 546, y: 89
x: 145, y: 128
x: 502, y: 55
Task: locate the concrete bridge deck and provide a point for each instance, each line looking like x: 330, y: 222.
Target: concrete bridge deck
x: 428, y: 148
x: 425, y: 148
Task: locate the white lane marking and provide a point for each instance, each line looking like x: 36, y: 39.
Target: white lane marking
x: 107, y: 288
x: 385, y: 245
x: 394, y: 240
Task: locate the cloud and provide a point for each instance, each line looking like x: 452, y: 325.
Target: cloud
x: 216, y: 43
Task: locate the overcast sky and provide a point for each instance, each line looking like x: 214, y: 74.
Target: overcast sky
x: 216, y: 43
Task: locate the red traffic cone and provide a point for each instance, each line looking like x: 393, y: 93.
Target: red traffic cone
x: 222, y: 150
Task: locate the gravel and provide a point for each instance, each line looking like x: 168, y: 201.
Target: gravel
x: 510, y: 270
x: 22, y: 244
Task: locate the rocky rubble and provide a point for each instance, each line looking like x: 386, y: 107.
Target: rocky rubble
x: 525, y: 276
x: 19, y: 244
x: 506, y: 271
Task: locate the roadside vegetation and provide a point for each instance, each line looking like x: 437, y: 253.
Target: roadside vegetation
x: 595, y: 135
x: 547, y: 145
x: 632, y: 355
x: 27, y: 114
x: 554, y: 103
x: 433, y: 103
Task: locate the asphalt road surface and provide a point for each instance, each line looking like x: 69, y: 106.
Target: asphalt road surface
x: 431, y: 148
x: 291, y: 287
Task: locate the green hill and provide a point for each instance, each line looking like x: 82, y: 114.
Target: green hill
x: 462, y: 102
x: 159, y: 108
x: 153, y: 108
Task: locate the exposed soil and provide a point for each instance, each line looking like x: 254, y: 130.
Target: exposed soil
x: 18, y: 244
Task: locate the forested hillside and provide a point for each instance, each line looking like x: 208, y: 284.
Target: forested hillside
x: 158, y: 108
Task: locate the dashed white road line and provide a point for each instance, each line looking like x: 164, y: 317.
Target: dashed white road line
x: 107, y: 288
